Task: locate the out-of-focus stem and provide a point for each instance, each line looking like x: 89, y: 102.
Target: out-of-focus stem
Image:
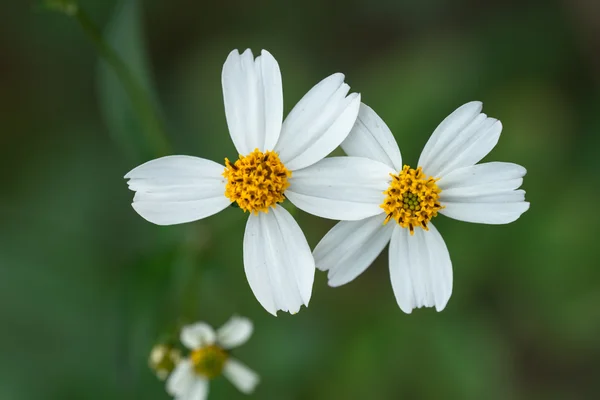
x: 139, y: 96
x: 143, y: 105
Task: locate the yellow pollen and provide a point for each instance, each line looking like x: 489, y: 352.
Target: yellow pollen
x: 256, y: 181
x: 412, y: 199
x: 209, y: 361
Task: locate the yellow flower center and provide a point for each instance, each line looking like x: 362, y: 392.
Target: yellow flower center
x: 412, y: 199
x: 209, y: 361
x: 256, y: 181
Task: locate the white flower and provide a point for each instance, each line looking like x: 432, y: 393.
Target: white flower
x: 209, y: 358
x: 163, y: 359
x: 447, y: 181
x: 277, y: 161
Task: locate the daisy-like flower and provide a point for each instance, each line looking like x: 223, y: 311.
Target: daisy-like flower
x: 209, y: 358
x: 448, y: 181
x: 275, y: 163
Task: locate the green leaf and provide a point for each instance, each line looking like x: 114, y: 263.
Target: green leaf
x: 127, y: 96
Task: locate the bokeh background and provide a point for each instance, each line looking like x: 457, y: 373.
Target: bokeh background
x: 87, y: 287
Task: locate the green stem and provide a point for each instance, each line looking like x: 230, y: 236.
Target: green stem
x: 152, y: 125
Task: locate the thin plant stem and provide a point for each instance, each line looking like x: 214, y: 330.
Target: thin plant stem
x: 144, y: 107
x: 152, y: 124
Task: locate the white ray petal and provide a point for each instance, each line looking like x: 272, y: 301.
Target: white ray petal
x: 181, y: 379
x: 481, y: 174
x: 484, y: 193
x: 242, y: 377
x: 348, y: 249
x: 177, y: 189
x: 197, y: 335
x: 278, y: 263
x: 198, y: 390
x: 461, y: 140
x: 253, y: 98
x: 318, y: 124
x: 448, y: 129
x: 371, y: 138
x: 341, y: 188
x: 420, y: 269
x: 488, y: 211
x: 507, y: 196
x: 235, y: 332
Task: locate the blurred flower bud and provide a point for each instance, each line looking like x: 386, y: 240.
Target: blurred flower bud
x: 163, y: 359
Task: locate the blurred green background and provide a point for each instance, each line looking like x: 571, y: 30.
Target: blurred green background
x: 87, y: 286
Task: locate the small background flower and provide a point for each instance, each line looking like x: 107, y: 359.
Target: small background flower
x: 210, y: 357
x: 87, y: 285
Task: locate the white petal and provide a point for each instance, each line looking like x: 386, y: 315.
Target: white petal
x: 511, y: 196
x: 420, y: 269
x: 318, y: 123
x: 235, y: 332
x: 197, y: 335
x: 350, y: 247
x: 461, y: 140
x: 253, y: 97
x: 491, y: 210
x: 342, y: 188
x: 241, y: 376
x: 278, y: 263
x: 181, y: 379
x: 198, y: 391
x: 448, y: 129
x: 482, y: 179
x: 371, y: 138
x: 177, y: 189
x: 484, y: 193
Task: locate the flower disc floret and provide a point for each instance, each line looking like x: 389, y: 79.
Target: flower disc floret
x: 412, y: 199
x: 209, y: 361
x: 256, y: 181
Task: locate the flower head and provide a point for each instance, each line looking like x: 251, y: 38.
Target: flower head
x: 257, y: 181
x: 277, y: 160
x: 163, y: 359
x: 447, y: 181
x: 412, y: 199
x: 209, y: 358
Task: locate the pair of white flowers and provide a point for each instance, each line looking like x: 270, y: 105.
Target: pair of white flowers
x: 376, y: 198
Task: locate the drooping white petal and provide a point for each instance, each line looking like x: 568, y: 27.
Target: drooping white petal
x: 177, y: 189
x: 197, y: 335
x: 484, y: 193
x: 371, y: 138
x: 253, y: 98
x: 341, y: 188
x: 181, y: 379
x: 242, y: 377
x: 420, y: 269
x: 350, y: 247
x: 235, y: 332
x: 278, y: 263
x: 198, y: 390
x: 461, y: 140
x: 318, y: 123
